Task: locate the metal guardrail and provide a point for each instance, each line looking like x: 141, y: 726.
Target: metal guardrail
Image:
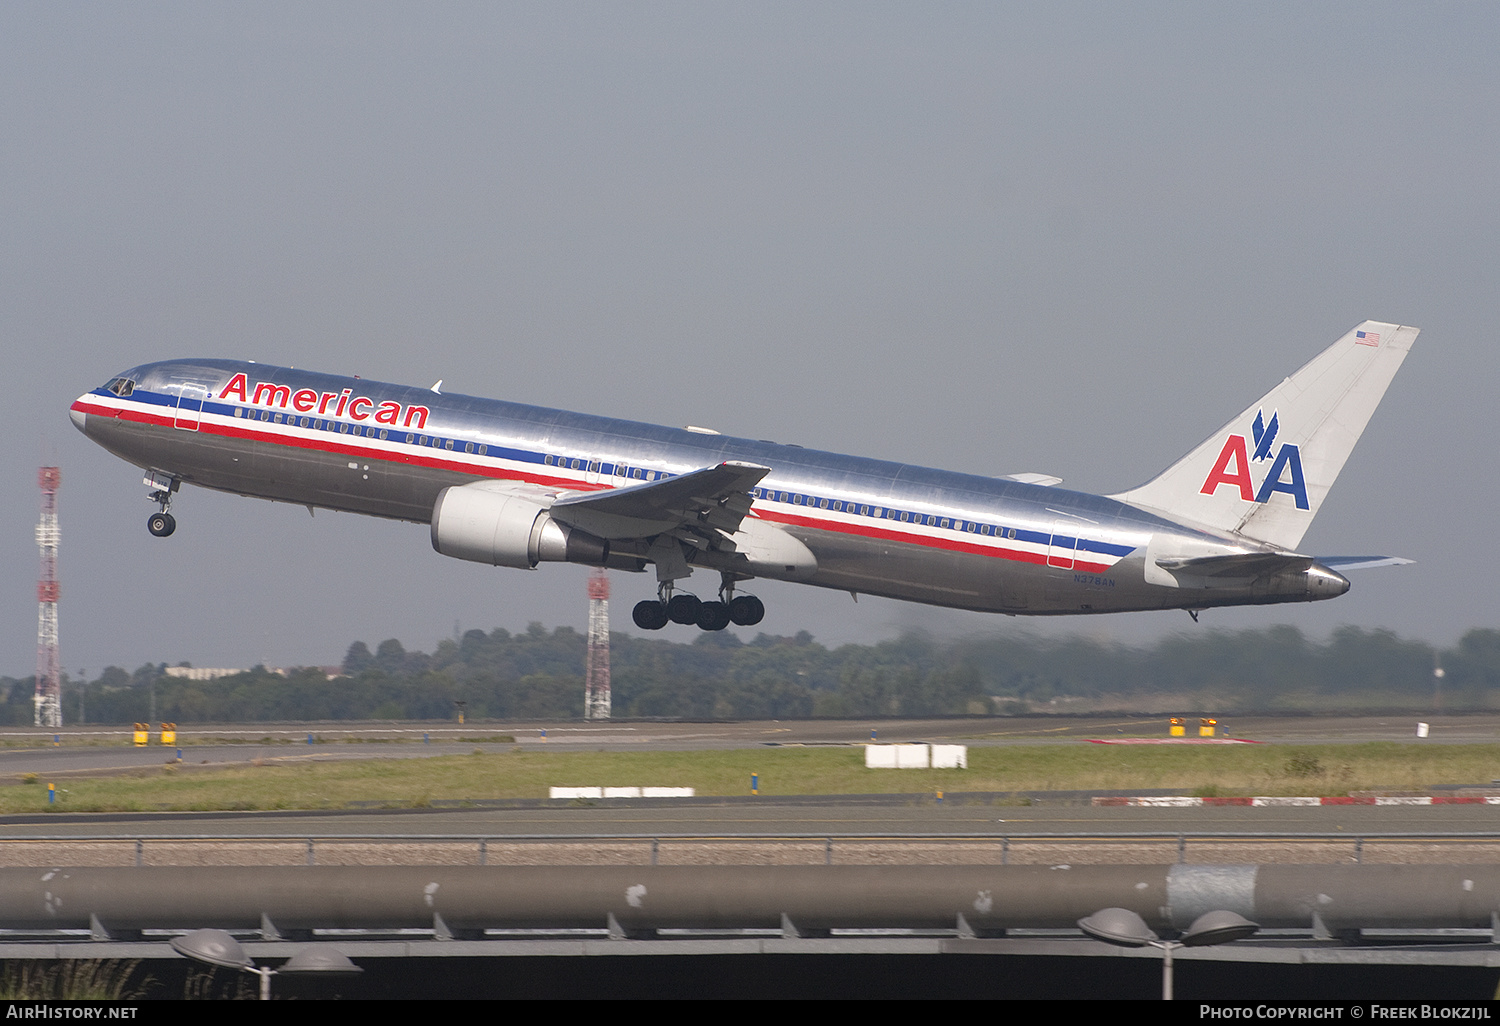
x: 482, y: 843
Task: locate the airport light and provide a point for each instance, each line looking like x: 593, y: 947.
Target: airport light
x: 1122, y: 927
x: 218, y: 948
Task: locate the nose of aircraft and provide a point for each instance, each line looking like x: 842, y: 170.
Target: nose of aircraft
x: 78, y: 417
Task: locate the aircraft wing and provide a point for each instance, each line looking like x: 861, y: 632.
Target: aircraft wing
x: 701, y: 502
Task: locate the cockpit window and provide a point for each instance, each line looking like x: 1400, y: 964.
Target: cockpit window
x: 121, y: 386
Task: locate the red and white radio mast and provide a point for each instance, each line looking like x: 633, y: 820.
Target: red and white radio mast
x: 596, y: 676
x: 48, y: 662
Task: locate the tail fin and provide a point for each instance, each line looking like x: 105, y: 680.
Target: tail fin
x: 1265, y: 473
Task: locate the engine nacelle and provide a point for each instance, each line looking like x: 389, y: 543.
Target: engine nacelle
x: 479, y: 522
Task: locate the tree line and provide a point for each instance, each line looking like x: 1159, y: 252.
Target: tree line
x: 538, y: 674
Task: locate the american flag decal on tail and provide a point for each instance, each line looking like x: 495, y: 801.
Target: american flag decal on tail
x: 1367, y: 338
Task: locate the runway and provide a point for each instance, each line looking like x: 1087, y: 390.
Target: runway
x: 774, y: 817
x: 90, y: 748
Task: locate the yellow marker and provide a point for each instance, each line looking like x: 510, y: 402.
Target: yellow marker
x: 1178, y: 728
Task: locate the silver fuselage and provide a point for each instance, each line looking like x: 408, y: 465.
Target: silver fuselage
x: 875, y: 527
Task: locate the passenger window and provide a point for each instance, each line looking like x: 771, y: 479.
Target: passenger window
x: 448, y: 444
x: 468, y: 447
x: 483, y: 449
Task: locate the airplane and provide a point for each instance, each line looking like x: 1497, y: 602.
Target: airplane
x: 516, y: 486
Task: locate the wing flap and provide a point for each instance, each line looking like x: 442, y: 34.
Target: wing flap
x: 705, y: 501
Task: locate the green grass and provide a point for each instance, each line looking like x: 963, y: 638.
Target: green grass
x: 514, y: 773
x: 72, y: 980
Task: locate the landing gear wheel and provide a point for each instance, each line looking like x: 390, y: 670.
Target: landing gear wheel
x: 161, y: 524
x: 713, y: 616
x: 747, y: 610
x: 649, y: 615
x: 683, y: 608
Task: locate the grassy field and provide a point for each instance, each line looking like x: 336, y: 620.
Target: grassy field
x: 514, y: 773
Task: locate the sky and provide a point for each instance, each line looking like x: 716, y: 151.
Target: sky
x: 1070, y: 239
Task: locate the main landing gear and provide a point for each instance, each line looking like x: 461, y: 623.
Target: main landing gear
x: 161, y: 523
x: 743, y: 610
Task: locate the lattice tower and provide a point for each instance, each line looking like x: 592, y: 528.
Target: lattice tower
x: 596, y: 676
x: 48, y: 663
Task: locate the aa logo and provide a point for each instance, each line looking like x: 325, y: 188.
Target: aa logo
x: 1233, y: 465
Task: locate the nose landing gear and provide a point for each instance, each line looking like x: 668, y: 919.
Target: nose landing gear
x: 161, y: 523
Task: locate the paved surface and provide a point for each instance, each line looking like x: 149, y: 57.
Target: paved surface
x: 1337, y: 830
x: 369, y: 739
x: 102, y: 749
x: 96, y: 750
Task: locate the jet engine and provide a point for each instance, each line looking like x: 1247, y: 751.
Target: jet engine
x: 489, y: 525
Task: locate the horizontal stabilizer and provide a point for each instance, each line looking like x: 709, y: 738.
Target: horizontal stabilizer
x: 1342, y: 563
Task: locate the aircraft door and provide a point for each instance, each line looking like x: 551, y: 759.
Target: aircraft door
x: 1064, y: 544
x: 190, y: 398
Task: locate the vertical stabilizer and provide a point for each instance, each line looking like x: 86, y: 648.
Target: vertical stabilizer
x: 1265, y: 473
